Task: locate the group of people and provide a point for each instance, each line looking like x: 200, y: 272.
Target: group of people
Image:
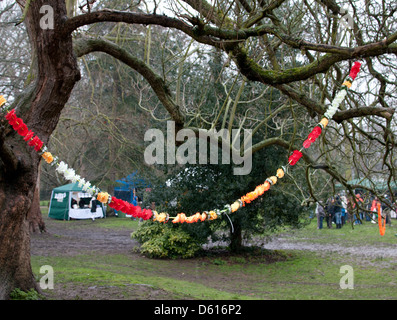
x: 333, y: 211
x: 339, y: 209
x: 82, y: 204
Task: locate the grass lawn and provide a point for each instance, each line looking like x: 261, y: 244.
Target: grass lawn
x: 299, y: 275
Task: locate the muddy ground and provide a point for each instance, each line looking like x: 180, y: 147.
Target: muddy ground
x: 83, y: 236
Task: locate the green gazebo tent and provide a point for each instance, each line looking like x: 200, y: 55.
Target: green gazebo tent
x: 61, y: 207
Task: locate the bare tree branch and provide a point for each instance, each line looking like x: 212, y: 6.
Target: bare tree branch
x: 86, y: 45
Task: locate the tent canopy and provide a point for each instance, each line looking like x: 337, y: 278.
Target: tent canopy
x: 366, y: 183
x: 126, y: 187
x: 61, y: 204
x: 132, y: 181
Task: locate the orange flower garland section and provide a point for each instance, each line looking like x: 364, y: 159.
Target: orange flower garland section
x: 259, y: 190
x: 2, y: 101
x: 48, y: 157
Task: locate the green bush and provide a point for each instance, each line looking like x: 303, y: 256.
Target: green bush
x: 18, y: 294
x: 160, y: 240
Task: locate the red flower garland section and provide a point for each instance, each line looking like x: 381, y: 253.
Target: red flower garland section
x: 294, y: 157
x: 130, y: 209
x: 316, y: 132
x: 19, y: 126
x: 355, y: 70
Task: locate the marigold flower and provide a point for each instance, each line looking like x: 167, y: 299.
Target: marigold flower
x: 324, y: 122
x: 260, y: 189
x: 196, y: 217
x: 212, y: 215
x: 235, y: 206
x: 160, y: 217
x: 347, y: 84
x: 189, y: 219
x: 280, y: 173
x: 381, y: 225
x: 180, y: 218
x: 48, y: 157
x: 2, y: 101
x: 103, y: 197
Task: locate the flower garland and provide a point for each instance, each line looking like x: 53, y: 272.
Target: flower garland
x: 136, y: 211
x: 69, y: 173
x: 311, y: 138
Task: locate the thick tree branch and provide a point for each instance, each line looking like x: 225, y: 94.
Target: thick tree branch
x: 340, y: 116
x: 127, y: 17
x: 306, y: 157
x: 218, y: 37
x: 205, y: 33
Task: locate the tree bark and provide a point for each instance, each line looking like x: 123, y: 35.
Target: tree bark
x: 39, y: 107
x: 236, y: 238
x: 35, y: 218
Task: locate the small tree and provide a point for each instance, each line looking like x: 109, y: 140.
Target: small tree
x: 198, y: 188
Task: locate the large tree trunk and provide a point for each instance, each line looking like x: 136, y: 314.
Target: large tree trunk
x: 40, y: 107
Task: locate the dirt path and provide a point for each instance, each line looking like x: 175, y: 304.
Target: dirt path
x: 385, y: 251
x: 79, y: 237
x: 76, y: 237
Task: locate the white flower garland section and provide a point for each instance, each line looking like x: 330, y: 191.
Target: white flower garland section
x: 71, y: 175
x: 335, y: 104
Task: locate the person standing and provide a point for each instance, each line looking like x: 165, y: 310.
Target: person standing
x: 320, y: 213
x: 356, y: 219
x: 330, y: 212
x: 134, y: 198
x: 338, y: 212
x: 344, y: 208
x: 374, y: 209
x: 93, y: 204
